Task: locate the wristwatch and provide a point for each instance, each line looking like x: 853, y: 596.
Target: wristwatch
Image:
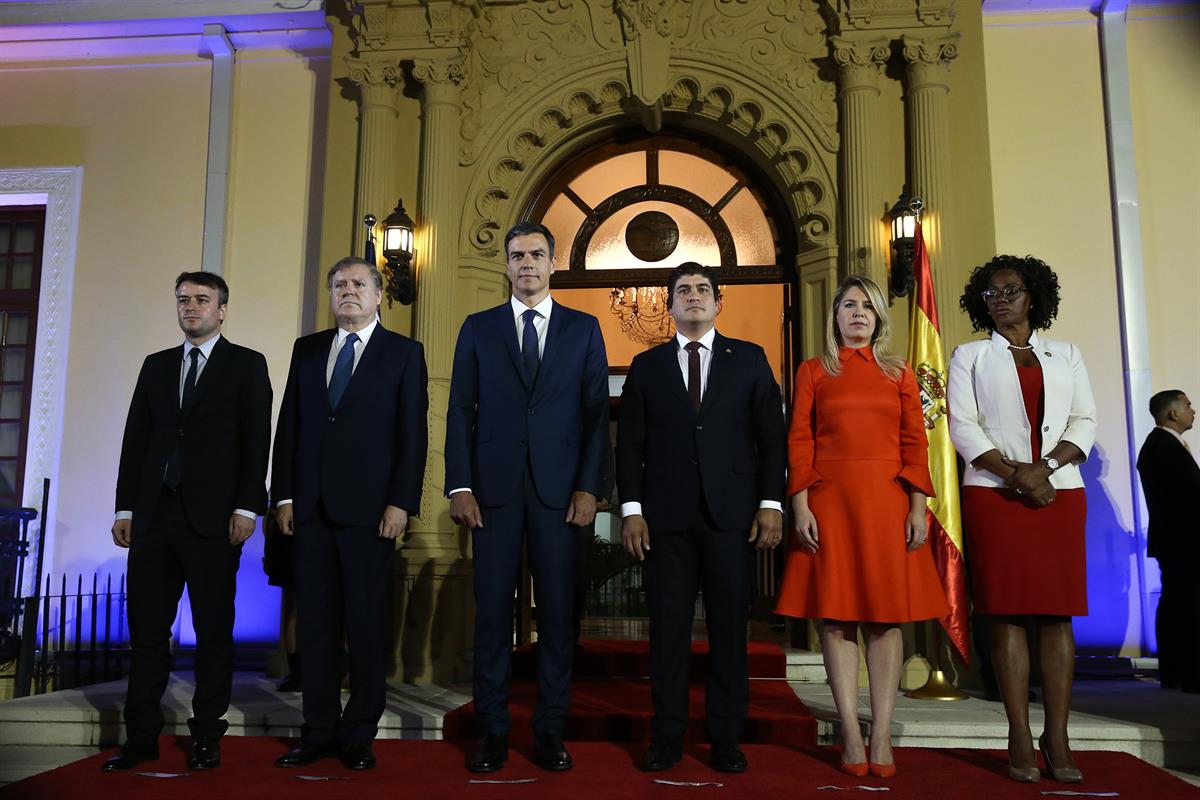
x: 1052, y: 463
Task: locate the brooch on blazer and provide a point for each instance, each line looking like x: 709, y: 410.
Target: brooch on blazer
x: 1047, y: 354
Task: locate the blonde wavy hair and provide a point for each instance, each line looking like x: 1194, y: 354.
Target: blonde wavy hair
x: 891, y: 364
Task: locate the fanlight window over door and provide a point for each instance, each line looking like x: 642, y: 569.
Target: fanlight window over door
x: 651, y: 207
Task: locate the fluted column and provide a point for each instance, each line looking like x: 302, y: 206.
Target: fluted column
x: 859, y: 63
x: 435, y: 638
x: 378, y: 139
x: 928, y: 113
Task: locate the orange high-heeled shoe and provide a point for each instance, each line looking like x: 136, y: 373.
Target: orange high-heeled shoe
x: 882, y: 770
x: 857, y: 770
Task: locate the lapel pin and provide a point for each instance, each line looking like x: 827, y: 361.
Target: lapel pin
x: 1047, y: 354
x: 727, y: 350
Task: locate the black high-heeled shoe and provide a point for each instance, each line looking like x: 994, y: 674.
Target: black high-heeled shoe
x: 1060, y: 774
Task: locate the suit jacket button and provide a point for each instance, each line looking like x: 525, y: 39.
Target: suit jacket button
x: 1046, y: 429
x: 699, y: 427
x: 331, y: 419
x: 180, y: 432
x: 694, y: 461
x: 522, y: 443
x: 531, y: 412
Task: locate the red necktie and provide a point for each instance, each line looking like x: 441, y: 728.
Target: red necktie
x: 693, y: 349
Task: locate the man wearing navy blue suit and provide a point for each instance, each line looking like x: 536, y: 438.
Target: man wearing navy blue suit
x: 348, y: 467
x: 526, y: 429
x: 701, y: 453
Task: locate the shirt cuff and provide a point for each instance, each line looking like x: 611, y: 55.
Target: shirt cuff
x: 631, y: 509
x: 774, y: 505
x: 456, y: 491
x: 124, y: 515
x: 241, y: 512
x: 283, y: 503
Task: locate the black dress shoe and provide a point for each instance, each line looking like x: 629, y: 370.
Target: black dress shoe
x: 306, y: 754
x: 663, y: 754
x: 128, y: 758
x: 358, y: 756
x: 727, y: 757
x: 290, y: 683
x: 206, y: 754
x: 490, y: 755
x: 550, y: 754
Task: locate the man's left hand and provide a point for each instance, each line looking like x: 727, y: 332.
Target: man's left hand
x: 240, y: 529
x: 582, y: 509
x: 767, y: 529
x: 395, y: 520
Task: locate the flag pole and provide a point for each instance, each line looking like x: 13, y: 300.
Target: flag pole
x: 938, y: 686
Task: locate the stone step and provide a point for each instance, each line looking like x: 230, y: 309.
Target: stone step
x: 805, y: 666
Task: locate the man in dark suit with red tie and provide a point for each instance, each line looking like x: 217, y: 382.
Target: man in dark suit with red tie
x: 526, y: 429
x: 347, y: 473
x: 700, y: 472
x: 191, y: 482
x: 1171, y: 482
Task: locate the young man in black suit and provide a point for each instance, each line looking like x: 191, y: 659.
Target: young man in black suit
x: 1171, y: 482
x: 347, y: 473
x: 700, y: 462
x: 191, y: 481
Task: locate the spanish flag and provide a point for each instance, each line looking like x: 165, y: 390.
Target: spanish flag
x: 943, y: 517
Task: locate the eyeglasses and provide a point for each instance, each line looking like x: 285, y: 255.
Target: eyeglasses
x: 1008, y: 293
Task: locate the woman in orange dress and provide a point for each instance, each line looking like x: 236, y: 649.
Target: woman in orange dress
x: 858, y: 479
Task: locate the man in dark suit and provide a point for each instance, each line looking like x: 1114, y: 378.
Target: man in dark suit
x: 1171, y: 482
x: 526, y: 428
x: 700, y: 462
x: 191, y: 481
x: 348, y: 467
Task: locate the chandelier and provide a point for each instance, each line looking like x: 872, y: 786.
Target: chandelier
x: 643, y: 315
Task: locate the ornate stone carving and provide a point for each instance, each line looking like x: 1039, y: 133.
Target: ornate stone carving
x: 860, y: 62
x: 666, y: 18
x: 929, y: 57
x: 893, y: 14
x: 374, y: 71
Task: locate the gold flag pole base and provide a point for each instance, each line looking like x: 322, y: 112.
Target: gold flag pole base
x: 938, y: 687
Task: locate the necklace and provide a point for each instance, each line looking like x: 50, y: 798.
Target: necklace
x: 1019, y: 347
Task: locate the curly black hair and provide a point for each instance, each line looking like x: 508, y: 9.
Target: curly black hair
x: 1039, y: 279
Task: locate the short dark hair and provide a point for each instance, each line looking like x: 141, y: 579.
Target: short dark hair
x: 210, y: 279
x: 1161, y: 402
x: 1038, y: 278
x: 692, y: 268
x: 350, y: 261
x: 525, y: 228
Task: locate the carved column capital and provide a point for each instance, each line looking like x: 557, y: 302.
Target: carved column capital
x: 860, y: 61
x: 441, y: 77
x: 376, y: 79
x: 929, y: 58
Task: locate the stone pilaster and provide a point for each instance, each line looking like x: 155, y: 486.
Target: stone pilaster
x: 928, y: 114
x: 378, y: 139
x: 435, y: 635
x: 859, y: 64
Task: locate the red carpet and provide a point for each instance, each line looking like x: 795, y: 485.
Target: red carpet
x: 604, y: 771
x: 599, y: 659
x: 620, y: 711
x: 610, y: 699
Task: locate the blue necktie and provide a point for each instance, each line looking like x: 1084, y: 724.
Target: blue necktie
x: 529, y: 346
x: 343, y: 368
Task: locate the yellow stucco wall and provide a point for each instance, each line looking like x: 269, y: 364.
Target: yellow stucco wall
x: 139, y: 130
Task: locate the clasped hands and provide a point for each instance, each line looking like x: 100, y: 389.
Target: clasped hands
x: 766, y: 531
x: 1031, y: 480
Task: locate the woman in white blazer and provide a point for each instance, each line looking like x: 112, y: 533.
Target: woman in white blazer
x: 1023, y: 418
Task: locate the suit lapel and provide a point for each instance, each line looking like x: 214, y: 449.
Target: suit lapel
x: 718, y: 372
x: 214, y: 367
x: 554, y: 338
x: 668, y: 364
x: 366, y: 363
x: 508, y: 333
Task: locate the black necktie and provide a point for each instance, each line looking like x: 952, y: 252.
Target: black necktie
x: 529, y: 346
x: 693, y: 349
x: 173, y: 475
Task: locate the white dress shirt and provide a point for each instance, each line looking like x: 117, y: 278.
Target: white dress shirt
x: 1178, y: 436
x: 339, y: 340
x: 706, y: 342
x: 541, y: 323
x: 205, y: 349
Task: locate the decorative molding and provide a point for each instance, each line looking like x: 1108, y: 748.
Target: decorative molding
x: 859, y: 61
x: 63, y: 188
x: 374, y: 71
x: 890, y: 15
x: 929, y: 59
